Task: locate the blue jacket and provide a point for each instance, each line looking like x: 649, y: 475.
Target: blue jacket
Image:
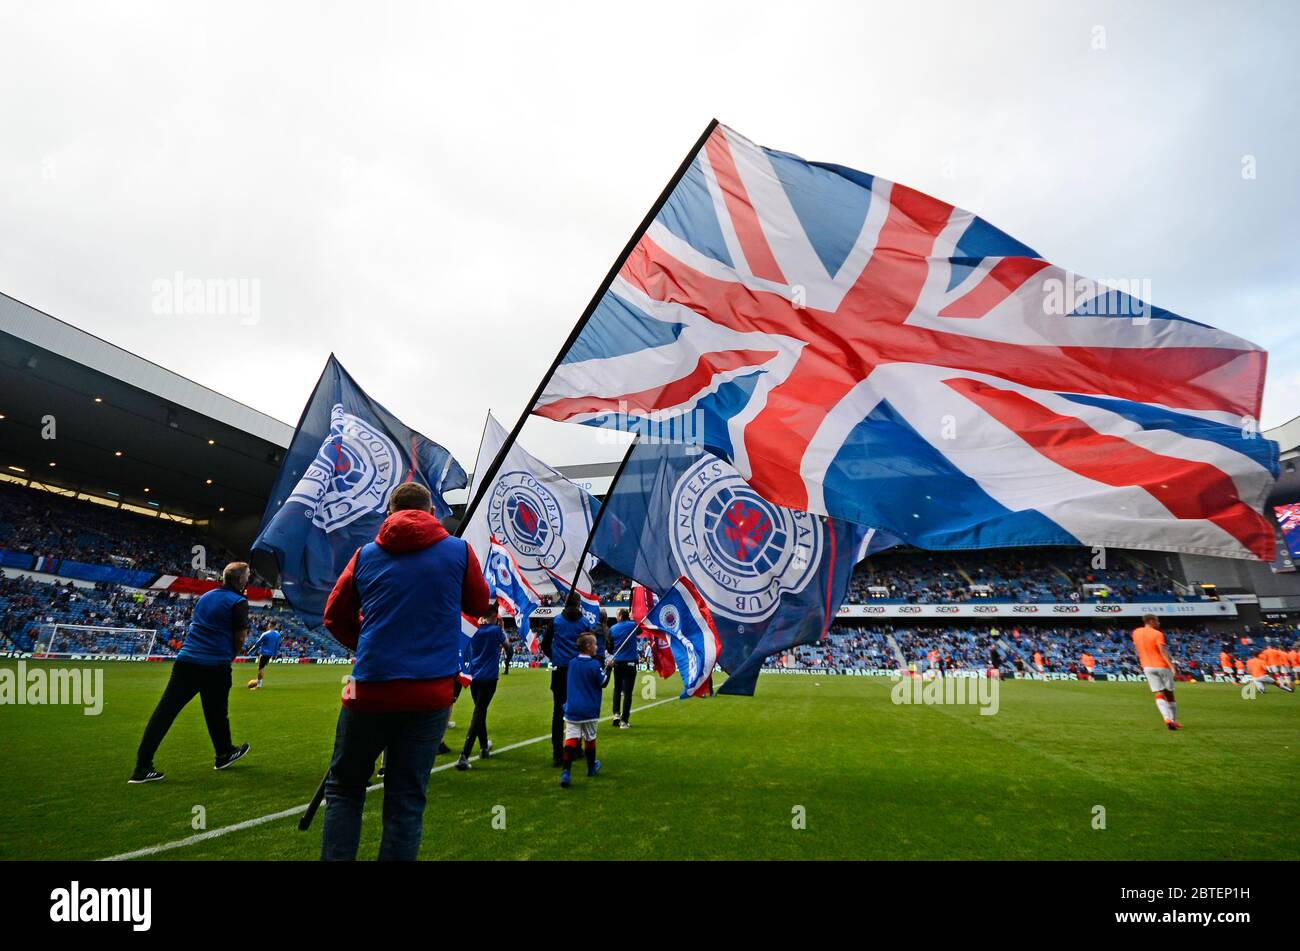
x: 268, y: 645
x: 564, y: 638
x: 211, y: 638
x: 403, y: 595
x: 626, y: 653
x: 587, y: 678
x: 485, y: 662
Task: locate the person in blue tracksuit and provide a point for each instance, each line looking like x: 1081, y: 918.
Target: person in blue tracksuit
x: 560, y: 645
x: 267, y: 648
x: 218, y: 626
x: 587, y: 677
x: 624, y: 646
x: 484, y: 668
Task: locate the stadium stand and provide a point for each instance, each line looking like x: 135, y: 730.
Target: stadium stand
x: 1023, y: 576
x: 856, y: 647
x: 43, y: 524
x: 28, y: 607
x: 47, y: 524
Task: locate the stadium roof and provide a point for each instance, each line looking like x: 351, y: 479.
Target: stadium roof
x: 1287, y: 436
x: 121, y: 424
x: 174, y: 435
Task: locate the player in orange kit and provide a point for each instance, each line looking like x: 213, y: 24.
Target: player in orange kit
x: 1257, y: 671
x: 1158, y: 667
x: 1225, y: 662
x: 1278, y: 665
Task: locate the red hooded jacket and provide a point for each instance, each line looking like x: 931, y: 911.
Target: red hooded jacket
x: 403, y: 532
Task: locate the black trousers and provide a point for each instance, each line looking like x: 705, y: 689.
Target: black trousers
x: 482, y: 691
x: 559, y: 694
x: 212, y: 685
x: 624, y: 684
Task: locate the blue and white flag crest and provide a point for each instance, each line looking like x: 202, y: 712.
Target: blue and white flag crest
x: 772, y: 577
x: 684, y: 616
x: 508, y: 585
x: 347, y: 455
x: 531, y: 509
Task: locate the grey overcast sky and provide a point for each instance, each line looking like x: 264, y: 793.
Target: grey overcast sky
x: 434, y: 191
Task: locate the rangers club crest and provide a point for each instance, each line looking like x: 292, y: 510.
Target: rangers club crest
x: 741, y: 551
x: 669, y: 619
x: 503, y: 573
x: 352, y: 474
x: 525, y: 515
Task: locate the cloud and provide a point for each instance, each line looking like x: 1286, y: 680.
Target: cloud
x: 435, y: 192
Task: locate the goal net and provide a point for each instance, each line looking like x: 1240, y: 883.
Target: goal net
x: 66, y: 640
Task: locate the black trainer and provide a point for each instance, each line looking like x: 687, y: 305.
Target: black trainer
x: 462, y: 764
x: 142, y: 775
x: 226, y: 759
x: 443, y: 749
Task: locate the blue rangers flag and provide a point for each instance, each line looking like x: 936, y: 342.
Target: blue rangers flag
x: 588, y: 603
x: 684, y: 617
x: 861, y: 350
x: 772, y: 577
x: 507, y: 584
x: 331, y: 496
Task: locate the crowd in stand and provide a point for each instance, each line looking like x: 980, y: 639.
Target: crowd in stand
x: 1078, y: 651
x: 41, y: 523
x: 29, y: 609
x: 44, y: 523
x: 1043, y: 575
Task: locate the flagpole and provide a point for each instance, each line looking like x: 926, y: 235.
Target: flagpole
x: 631, y: 634
x: 460, y: 527
x: 586, y: 315
x: 600, y: 512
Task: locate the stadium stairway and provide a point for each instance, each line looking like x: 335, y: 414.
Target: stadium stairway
x: 898, y: 652
x: 1008, y: 651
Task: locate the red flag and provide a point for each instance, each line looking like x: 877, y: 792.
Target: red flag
x: 643, y: 599
x: 662, y: 653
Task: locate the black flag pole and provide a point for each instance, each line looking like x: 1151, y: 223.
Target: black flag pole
x: 475, y: 481
x: 600, y: 512
x: 586, y: 316
x: 481, y: 484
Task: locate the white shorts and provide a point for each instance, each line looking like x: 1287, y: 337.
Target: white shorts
x: 1227, y: 669
x: 580, y: 730
x: 1160, y: 678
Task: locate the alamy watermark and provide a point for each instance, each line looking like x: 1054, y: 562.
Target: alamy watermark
x: 85, y: 904
x: 655, y: 427
x: 181, y: 296
x: 1109, y: 297
x: 954, y: 689
x: 53, y: 686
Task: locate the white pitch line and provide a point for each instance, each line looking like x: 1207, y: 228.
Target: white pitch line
x: 296, y: 810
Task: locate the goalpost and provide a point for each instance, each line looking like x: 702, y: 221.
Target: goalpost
x: 66, y: 640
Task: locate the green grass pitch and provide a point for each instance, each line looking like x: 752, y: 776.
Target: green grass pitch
x: 702, y: 779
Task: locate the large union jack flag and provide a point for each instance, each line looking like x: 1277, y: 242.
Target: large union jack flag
x: 862, y: 350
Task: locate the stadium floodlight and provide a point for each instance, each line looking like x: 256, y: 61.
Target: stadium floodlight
x: 68, y: 640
